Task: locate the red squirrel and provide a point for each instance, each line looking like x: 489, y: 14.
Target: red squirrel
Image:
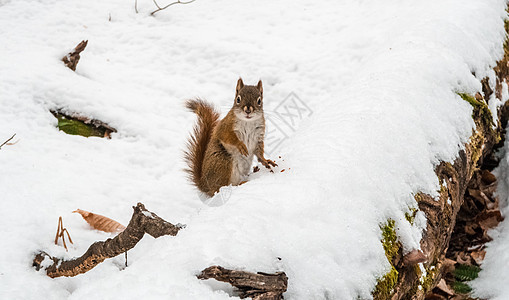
x: 220, y: 152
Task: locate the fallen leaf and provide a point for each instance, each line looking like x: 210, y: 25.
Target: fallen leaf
x: 470, y: 228
x: 435, y: 296
x: 448, y: 265
x: 487, y: 177
x: 100, y: 222
x: 442, y: 285
x: 414, y: 257
x: 464, y: 258
x: 478, y: 256
x: 489, y: 219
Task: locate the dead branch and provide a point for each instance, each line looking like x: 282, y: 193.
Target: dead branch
x: 71, y: 60
x: 258, y: 286
x: 142, y: 221
x: 7, y: 142
x: 165, y: 7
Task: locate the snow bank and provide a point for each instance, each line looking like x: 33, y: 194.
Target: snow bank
x: 378, y: 81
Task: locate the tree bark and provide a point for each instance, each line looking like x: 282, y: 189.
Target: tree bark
x: 441, y: 213
x: 142, y: 221
x: 258, y: 286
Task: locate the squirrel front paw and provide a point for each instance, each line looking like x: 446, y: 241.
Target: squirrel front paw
x: 243, y: 149
x: 267, y: 163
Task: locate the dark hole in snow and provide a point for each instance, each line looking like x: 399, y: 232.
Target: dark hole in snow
x: 76, y: 124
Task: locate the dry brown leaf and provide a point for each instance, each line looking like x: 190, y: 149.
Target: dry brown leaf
x: 414, y: 257
x: 448, y: 265
x: 478, y: 256
x: 464, y: 258
x: 100, y: 222
x: 470, y: 228
x: 479, y: 196
x: 488, y: 177
x: 490, y: 219
x: 442, y: 285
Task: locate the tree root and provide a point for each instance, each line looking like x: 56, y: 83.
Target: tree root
x: 257, y: 286
x: 142, y: 221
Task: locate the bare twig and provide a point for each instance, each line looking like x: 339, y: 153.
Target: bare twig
x: 7, y: 142
x: 136, y: 6
x: 157, y: 5
x: 165, y: 7
x: 60, y: 233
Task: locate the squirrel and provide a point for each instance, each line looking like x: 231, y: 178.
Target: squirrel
x: 220, y: 152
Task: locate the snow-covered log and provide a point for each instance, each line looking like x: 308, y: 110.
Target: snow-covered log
x: 414, y: 282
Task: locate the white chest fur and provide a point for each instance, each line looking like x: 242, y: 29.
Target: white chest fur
x: 250, y: 133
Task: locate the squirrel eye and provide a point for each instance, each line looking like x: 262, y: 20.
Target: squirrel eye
x: 238, y: 99
x: 259, y: 101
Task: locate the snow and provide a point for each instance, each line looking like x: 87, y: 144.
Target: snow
x: 379, y: 81
x: 492, y: 282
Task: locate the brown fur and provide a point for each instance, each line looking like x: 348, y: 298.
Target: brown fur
x: 216, y: 154
x: 197, y: 143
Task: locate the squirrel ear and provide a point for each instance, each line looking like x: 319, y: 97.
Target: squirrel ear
x: 260, y: 87
x: 240, y: 84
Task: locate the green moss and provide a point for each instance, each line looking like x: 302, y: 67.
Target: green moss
x: 410, y: 215
x: 386, y: 284
x: 76, y: 127
x: 443, y: 188
x: 480, y: 108
x: 429, y: 278
x: 476, y: 142
x: 390, y: 239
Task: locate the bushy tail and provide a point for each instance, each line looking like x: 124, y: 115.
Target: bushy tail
x: 197, y: 143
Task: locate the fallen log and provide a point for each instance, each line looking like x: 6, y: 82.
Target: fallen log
x: 410, y: 281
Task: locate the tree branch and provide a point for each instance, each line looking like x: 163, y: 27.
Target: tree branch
x: 256, y: 285
x: 165, y: 7
x: 5, y: 143
x: 142, y: 221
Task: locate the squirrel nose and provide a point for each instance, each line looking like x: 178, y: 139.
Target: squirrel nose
x: 248, y: 110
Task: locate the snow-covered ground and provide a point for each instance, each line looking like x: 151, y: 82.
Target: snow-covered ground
x: 375, y: 80
x: 493, y: 280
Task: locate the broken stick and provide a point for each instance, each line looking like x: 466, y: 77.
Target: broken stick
x: 142, y: 221
x: 258, y: 286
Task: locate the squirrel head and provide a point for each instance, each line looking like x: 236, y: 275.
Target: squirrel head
x: 248, y: 103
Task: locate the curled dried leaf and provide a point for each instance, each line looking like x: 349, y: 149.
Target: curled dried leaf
x: 414, y: 257
x: 100, y: 222
x: 478, y: 256
x: 442, y: 285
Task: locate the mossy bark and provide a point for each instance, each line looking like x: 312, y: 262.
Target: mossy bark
x: 413, y: 282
